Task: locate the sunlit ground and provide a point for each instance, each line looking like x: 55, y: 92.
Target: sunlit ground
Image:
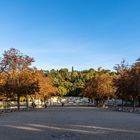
x: 70, y: 123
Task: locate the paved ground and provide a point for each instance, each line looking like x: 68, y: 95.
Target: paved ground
x: 70, y: 123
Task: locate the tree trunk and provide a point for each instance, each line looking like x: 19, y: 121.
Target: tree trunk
x: 91, y: 100
x: 27, y: 102
x: 103, y: 103
x: 133, y: 105
x: 139, y: 102
x: 97, y: 103
x: 122, y: 104
x: 44, y: 102
x: 18, y: 102
x: 6, y: 103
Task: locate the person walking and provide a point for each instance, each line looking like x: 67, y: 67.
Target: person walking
x: 62, y: 104
x: 33, y: 104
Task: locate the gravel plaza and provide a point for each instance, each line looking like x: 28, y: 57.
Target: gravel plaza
x: 69, y: 123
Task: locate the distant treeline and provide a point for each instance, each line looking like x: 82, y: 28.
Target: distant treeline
x: 100, y: 85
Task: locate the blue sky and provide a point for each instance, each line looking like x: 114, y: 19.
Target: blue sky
x: 65, y: 33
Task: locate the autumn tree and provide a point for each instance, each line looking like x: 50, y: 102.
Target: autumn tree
x: 128, y: 82
x: 3, y: 78
x: 16, y: 64
x: 28, y: 84
x: 135, y: 82
x: 122, y: 81
x: 46, y: 86
x: 100, y: 87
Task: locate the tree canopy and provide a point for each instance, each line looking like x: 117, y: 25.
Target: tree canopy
x: 18, y: 78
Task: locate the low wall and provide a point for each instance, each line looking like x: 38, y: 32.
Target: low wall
x: 68, y: 101
x: 126, y: 109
